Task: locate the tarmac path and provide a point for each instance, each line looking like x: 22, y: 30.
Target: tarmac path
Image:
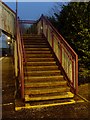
x: 8, y: 85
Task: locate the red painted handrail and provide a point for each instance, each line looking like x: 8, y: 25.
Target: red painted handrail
x: 67, y: 54
x: 21, y: 57
x: 58, y: 34
x: 21, y: 51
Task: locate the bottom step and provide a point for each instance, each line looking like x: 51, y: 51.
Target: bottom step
x: 43, y: 105
x: 49, y: 103
x: 67, y: 95
x: 19, y: 104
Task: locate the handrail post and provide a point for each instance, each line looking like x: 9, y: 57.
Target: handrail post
x: 15, y: 47
x: 47, y: 31
x: 52, y: 40
x: 73, y: 72
x: 15, y: 59
x: 42, y: 24
x: 76, y: 70
x: 61, y: 53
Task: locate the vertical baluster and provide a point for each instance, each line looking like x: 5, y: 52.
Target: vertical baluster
x: 61, y: 53
x: 52, y: 40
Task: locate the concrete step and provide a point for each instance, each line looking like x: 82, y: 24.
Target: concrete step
x: 40, y: 91
x: 40, y: 59
x: 44, y: 78
x: 41, y: 63
x: 37, y: 40
x: 39, y: 55
x: 36, y: 46
x: 33, y: 36
x: 41, y: 68
x: 44, y: 73
x: 45, y: 84
x: 38, y: 52
x: 58, y: 96
x: 37, y: 49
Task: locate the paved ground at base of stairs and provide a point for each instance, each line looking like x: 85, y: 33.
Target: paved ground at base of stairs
x: 73, y: 111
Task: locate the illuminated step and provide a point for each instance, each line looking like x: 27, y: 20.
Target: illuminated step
x: 44, y: 73
x: 45, y: 84
x: 40, y: 91
x: 44, y: 78
x: 53, y: 97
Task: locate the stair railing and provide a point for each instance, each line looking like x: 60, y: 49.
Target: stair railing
x: 21, y: 58
x: 21, y: 31
x: 65, y: 54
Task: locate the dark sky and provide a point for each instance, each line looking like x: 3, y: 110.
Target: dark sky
x: 32, y: 10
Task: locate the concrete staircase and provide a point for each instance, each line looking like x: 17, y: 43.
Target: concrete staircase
x: 43, y: 78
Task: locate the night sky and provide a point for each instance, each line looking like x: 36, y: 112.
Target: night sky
x: 32, y: 10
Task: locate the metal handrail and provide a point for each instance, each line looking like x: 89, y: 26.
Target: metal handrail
x: 21, y: 57
x: 58, y: 34
x: 21, y: 52
x: 23, y: 48
x: 65, y: 54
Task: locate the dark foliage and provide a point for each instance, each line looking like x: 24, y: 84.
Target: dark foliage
x: 73, y: 23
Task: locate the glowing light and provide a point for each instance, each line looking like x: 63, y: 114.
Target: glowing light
x: 8, y: 38
x: 41, y: 27
x: 8, y: 43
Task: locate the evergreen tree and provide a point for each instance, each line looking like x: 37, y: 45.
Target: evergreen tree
x: 73, y: 23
